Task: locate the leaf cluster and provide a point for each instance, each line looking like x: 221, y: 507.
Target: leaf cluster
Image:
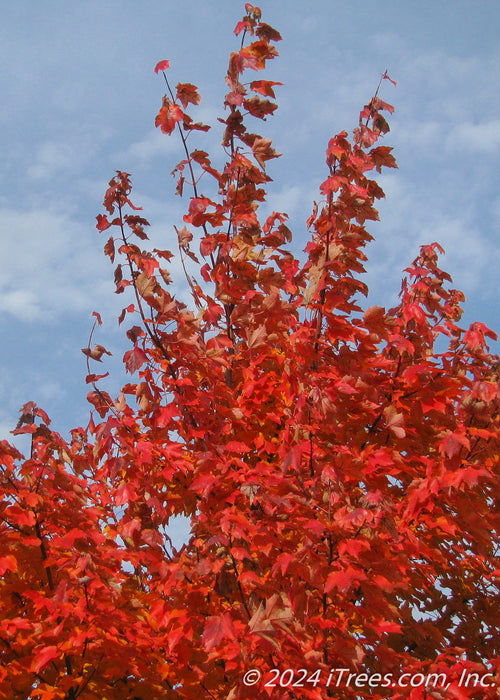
x: 339, y: 466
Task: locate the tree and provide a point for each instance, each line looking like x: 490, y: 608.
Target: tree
x: 339, y: 466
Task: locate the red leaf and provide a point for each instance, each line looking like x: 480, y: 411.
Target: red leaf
x: 125, y: 494
x: 387, y: 627
x: 109, y: 248
x: 386, y: 77
x: 134, y: 359
x: 44, y: 657
x: 96, y: 352
x: 188, y: 93
x: 395, y: 421
x: 344, y: 579
x: 128, y: 309
x: 241, y: 26
x: 101, y: 400
x: 102, y: 222
x: 168, y: 116
x: 164, y: 415
x: 474, y: 336
x: 93, y: 378
x: 162, y: 65
x: 263, y: 151
x: 381, y: 157
x: 184, y: 235
x: 264, y: 87
x: 216, y: 629
x: 255, y: 55
x: 19, y: 515
x: 8, y: 563
x: 452, y: 444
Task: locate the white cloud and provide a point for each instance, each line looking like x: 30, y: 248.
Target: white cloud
x: 469, y: 257
x: 483, y: 137
x: 51, y: 158
x: 67, y: 151
x: 420, y: 134
x: 154, y: 145
x: 47, y: 265
x: 292, y: 200
x: 416, y: 215
x: 20, y: 303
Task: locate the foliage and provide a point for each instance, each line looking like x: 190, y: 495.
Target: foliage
x: 339, y: 467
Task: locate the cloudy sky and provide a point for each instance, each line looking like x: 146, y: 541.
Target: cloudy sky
x: 79, y: 99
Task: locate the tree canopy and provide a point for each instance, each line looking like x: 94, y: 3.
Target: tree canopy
x: 339, y: 465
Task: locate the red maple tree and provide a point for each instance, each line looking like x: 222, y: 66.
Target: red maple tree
x: 339, y: 467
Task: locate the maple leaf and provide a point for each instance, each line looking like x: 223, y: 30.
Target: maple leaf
x: 386, y: 77
x: 96, y: 352
x: 125, y: 494
x: 164, y: 415
x: 262, y: 151
x: 146, y: 286
x: 98, y: 317
x: 264, y: 87
x: 258, y: 107
x: 162, y: 65
x: 44, y: 657
x: 453, y: 442
x: 184, y: 235
x: 128, y: 309
x: 101, y: 400
x: 216, y: 629
x: 254, y: 55
x: 134, y: 359
x: 242, y: 26
x: 7, y: 563
x: 168, y: 116
x: 102, y: 222
x: 394, y: 421
x: 381, y: 157
x: 267, y: 33
x: 474, y: 336
x: 93, y: 378
x: 188, y: 94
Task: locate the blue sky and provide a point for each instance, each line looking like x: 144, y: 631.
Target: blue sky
x: 79, y: 99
